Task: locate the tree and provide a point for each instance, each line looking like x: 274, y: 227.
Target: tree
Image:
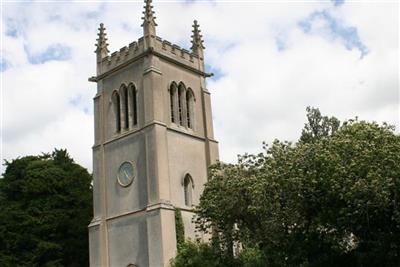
x: 331, y: 199
x: 318, y: 126
x: 46, y: 205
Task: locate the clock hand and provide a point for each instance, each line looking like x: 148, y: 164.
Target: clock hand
x: 127, y: 176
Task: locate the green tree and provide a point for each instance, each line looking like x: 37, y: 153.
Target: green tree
x: 46, y: 205
x: 179, y: 228
x: 332, y: 199
x: 318, y: 126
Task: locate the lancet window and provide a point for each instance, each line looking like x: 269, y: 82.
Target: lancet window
x: 181, y: 103
x: 188, y: 188
x: 133, y: 113
x: 189, y: 108
x: 172, y: 100
x: 124, y: 106
x: 117, y: 111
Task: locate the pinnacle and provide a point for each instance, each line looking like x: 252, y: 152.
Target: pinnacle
x: 102, y: 41
x: 197, y: 41
x: 148, y: 13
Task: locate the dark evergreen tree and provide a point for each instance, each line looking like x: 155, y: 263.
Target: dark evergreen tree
x: 45, y: 207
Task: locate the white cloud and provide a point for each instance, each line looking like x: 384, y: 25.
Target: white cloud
x: 50, y: 105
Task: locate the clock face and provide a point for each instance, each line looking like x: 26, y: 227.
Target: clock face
x: 125, y: 174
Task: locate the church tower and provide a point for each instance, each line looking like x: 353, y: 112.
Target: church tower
x: 152, y: 148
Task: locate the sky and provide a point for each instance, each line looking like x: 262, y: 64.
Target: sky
x: 270, y: 59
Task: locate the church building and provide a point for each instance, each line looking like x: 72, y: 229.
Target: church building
x: 153, y: 144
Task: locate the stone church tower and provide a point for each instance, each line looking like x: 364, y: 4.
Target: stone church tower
x: 152, y: 146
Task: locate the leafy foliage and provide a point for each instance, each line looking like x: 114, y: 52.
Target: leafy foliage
x: 46, y: 205
x: 332, y: 199
x: 196, y: 254
x: 179, y: 228
x: 318, y: 126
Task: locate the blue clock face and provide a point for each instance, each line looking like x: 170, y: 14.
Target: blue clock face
x: 125, y: 174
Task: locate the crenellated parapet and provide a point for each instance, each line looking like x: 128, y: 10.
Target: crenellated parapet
x: 123, y: 55
x: 162, y: 48
x: 177, y: 53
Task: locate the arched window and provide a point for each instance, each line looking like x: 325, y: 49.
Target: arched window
x: 135, y: 110
x: 172, y: 93
x: 181, y: 103
x: 117, y: 111
x: 133, y: 104
x: 189, y: 108
x: 125, y: 106
x: 187, y: 188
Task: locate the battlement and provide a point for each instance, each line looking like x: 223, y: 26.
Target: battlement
x: 124, y: 54
x: 163, y: 47
x: 176, y: 52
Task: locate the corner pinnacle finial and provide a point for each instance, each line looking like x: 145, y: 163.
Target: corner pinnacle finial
x: 149, y: 23
x: 197, y: 41
x: 101, y: 46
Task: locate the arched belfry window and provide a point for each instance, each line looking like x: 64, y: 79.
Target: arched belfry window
x: 172, y: 96
x: 182, y: 104
x: 188, y: 189
x: 124, y: 106
x: 117, y: 111
x: 133, y: 107
x: 189, y: 108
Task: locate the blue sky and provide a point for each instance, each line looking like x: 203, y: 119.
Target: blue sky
x: 334, y: 29
x: 270, y: 59
x: 56, y: 52
x: 338, y: 2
